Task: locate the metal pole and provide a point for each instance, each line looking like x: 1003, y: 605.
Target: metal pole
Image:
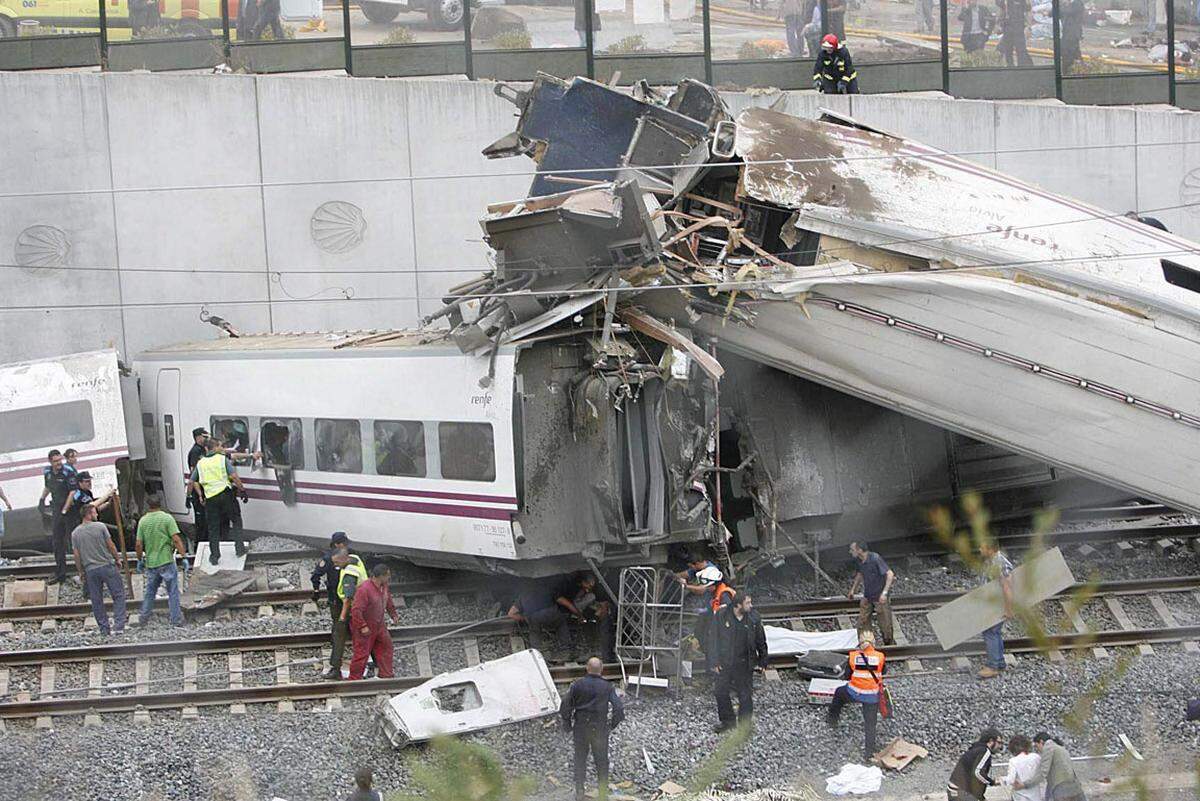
x: 708, y: 68
x: 944, y: 17
x: 226, y: 46
x: 1057, y: 28
x: 347, y: 44
x: 468, y: 52
x: 1171, y: 52
x: 121, y: 542
x: 103, y: 34
x: 589, y: 36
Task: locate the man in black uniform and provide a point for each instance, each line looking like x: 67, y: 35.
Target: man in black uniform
x: 199, y: 436
x: 741, y: 650
x: 327, y: 568
x: 82, y: 497
x: 58, y: 482
x: 584, y: 712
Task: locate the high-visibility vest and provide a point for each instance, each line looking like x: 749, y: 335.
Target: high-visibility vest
x: 354, y: 568
x: 866, y: 671
x: 214, y: 478
x: 722, y: 590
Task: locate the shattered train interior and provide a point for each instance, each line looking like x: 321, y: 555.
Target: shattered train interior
x: 659, y: 218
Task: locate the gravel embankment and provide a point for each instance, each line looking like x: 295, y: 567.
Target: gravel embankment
x: 311, y: 755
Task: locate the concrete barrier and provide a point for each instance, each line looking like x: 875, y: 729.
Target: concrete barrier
x: 310, y: 202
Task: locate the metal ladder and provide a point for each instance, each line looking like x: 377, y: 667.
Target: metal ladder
x: 649, y: 624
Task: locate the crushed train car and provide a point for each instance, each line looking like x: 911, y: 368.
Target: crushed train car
x: 1050, y: 342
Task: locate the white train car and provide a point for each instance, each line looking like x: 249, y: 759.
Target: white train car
x: 54, y: 404
x: 406, y: 445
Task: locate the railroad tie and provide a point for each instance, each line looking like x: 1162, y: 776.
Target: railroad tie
x: 797, y: 624
x: 48, y: 674
x: 52, y: 594
x: 8, y: 595
x: 1118, y: 612
x: 471, y: 648
x: 845, y: 622
x: 141, y: 669
x: 424, y: 663
x: 1081, y: 627
x: 235, y: 681
x: 3, y: 681
x: 95, y: 677
x: 1168, y: 619
x: 515, y: 643
x: 902, y: 640
x: 191, y: 666
x: 283, y: 673
x: 138, y: 582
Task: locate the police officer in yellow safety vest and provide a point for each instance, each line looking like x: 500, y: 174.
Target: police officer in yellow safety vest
x: 834, y: 72
x: 217, y: 477
x: 351, y: 574
x: 865, y: 668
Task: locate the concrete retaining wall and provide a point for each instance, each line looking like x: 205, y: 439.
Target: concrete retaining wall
x: 299, y: 203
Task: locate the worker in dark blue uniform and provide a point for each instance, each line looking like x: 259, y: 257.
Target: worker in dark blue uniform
x: 741, y: 651
x: 58, y: 483
x: 584, y: 712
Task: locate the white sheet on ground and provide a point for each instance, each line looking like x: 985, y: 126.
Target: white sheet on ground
x: 856, y: 779
x: 785, y: 642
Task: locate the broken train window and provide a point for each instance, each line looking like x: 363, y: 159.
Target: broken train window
x: 467, y: 450
x: 282, y: 442
x: 400, y: 448
x: 339, y: 446
x: 232, y: 432
x: 457, y: 697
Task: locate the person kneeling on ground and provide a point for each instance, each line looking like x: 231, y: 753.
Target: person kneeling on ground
x: 741, y: 646
x: 367, y: 624
x: 865, y: 673
x: 157, y: 543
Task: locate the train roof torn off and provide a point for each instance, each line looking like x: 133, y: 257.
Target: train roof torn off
x: 871, y: 264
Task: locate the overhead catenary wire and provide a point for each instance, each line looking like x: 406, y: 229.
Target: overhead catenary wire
x: 583, y: 170
x: 369, y: 270
x: 722, y: 286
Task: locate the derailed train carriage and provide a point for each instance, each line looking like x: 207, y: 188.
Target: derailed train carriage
x: 778, y: 329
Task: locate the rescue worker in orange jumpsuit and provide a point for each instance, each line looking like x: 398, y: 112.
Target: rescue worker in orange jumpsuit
x: 865, y: 669
x: 368, y: 626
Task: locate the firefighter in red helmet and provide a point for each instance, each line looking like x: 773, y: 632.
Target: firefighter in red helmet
x: 834, y: 72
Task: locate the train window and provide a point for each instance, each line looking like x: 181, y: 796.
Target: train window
x: 282, y: 442
x: 467, y: 451
x: 232, y: 432
x: 399, y: 448
x: 339, y: 446
x: 53, y: 425
x: 169, y: 431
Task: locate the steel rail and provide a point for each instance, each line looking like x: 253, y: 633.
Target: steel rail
x: 501, y: 626
x: 312, y: 691
x: 561, y: 674
x: 45, y: 569
x: 921, y: 546
x: 407, y: 589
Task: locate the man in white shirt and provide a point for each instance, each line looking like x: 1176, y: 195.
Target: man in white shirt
x: 1021, y: 767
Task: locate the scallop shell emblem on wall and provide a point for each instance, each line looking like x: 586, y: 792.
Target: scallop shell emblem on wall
x: 338, y: 226
x: 1189, y: 191
x: 41, y: 246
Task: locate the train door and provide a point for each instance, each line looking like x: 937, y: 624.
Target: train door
x: 171, y: 441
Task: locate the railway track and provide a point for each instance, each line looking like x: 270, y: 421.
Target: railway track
x: 138, y: 696
x: 471, y: 585
x: 40, y: 568
x: 1151, y: 528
